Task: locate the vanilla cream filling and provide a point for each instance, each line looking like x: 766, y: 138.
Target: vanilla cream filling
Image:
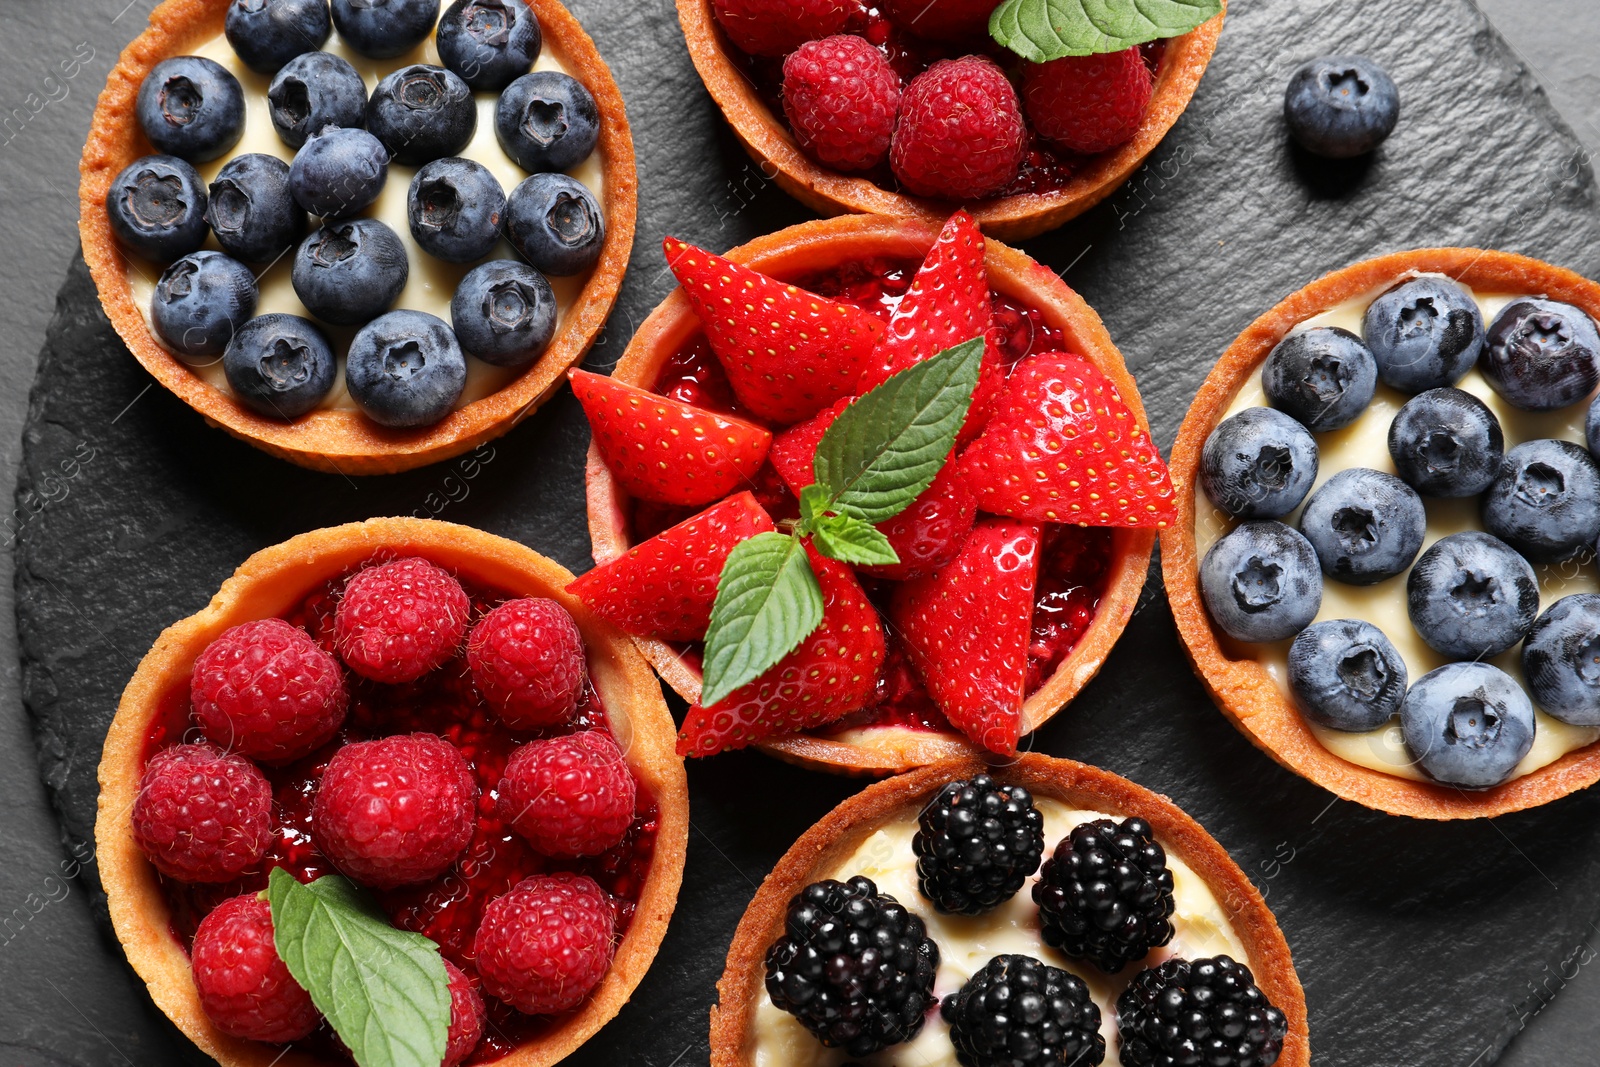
x: 1365, y: 443
x: 966, y: 943
x: 432, y: 282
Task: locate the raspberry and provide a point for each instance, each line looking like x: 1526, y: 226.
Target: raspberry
x: 961, y: 134
x: 398, y: 621
x: 942, y: 20
x: 395, y: 811
x: 776, y: 27
x: 267, y: 690
x: 1088, y: 103
x: 466, y: 1017
x: 244, y: 987
x: 202, y: 815
x: 527, y: 661
x: 841, y: 96
x: 569, y: 796
x: 544, y: 945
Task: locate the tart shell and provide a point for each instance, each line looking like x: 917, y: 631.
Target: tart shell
x: 841, y: 832
x: 820, y: 245
x: 344, y: 441
x: 273, y: 581
x: 1242, y: 688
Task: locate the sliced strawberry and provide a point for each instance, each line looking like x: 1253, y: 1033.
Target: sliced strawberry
x: 968, y: 626
x: 1064, y: 447
x: 794, y: 449
x: 664, y: 450
x: 665, y: 586
x: 788, y: 353
x: 832, y: 673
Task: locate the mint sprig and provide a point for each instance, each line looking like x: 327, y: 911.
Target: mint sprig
x: 1042, y: 30
x: 768, y: 600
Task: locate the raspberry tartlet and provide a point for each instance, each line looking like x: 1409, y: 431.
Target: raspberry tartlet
x: 1051, y: 835
x: 436, y: 305
x: 1383, y: 562
x: 543, y: 863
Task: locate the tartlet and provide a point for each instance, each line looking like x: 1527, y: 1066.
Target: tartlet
x: 269, y: 583
x: 331, y: 439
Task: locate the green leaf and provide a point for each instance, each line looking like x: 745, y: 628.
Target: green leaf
x: 384, y: 991
x: 768, y: 601
x: 886, y: 447
x: 849, y: 540
x: 1042, y: 30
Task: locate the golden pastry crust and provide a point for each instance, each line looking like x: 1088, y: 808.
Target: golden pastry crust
x: 1244, y: 691
x: 1009, y: 218
x: 345, y: 441
x: 840, y: 832
x: 272, y: 582
x: 821, y: 245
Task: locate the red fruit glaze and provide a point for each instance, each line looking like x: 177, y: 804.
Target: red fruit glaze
x: 527, y: 660
x: 958, y: 21
x: 543, y: 946
x: 245, y: 989
x: 466, y: 1017
x: 265, y: 690
x: 694, y: 377
x: 774, y: 27
x: 1088, y: 104
x: 1072, y: 579
x: 841, y: 97
x: 569, y: 796
x: 399, y: 620
x: 961, y: 135
x: 202, y: 815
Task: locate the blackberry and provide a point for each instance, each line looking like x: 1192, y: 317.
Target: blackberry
x: 1198, y: 1011
x: 1018, y: 1011
x: 978, y: 841
x: 1106, y: 894
x: 854, y: 966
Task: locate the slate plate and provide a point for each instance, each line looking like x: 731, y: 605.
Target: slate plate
x: 1418, y: 943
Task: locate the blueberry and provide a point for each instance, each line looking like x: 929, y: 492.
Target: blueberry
x: 1542, y: 355
x: 1261, y: 583
x: 1259, y: 464
x: 157, y: 207
x: 405, y: 369
x: 1545, y: 501
x: 1365, y: 525
x: 383, y: 29
x: 1346, y: 675
x: 1425, y: 333
x: 1341, y: 106
x: 266, y: 34
x: 279, y: 365
x: 1446, y: 443
x: 1467, y: 725
x: 1591, y: 427
x: 504, y: 312
x: 200, y: 300
x: 1471, y: 596
x: 1323, y: 377
x: 556, y: 223
x: 422, y: 113
x: 338, y: 172
x: 251, y: 210
x: 454, y: 208
x: 1561, y: 659
x: 191, y: 107
x: 312, y: 91
x: 490, y: 43
x: 547, y: 121
x: 350, y: 271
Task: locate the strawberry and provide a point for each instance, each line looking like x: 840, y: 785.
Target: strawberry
x: 1063, y: 447
x: 793, y: 449
x: 665, y: 450
x: 665, y: 587
x: 968, y: 626
x: 788, y: 353
x: 832, y: 673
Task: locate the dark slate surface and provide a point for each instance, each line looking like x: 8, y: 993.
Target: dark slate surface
x: 1417, y: 943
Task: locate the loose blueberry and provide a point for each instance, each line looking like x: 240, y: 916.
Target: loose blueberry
x: 191, y: 107
x: 556, y: 223
x: 1365, y: 525
x: 200, y: 300
x: 1345, y: 674
x: 1341, y: 106
x: 1542, y: 355
x: 405, y: 369
x: 1261, y: 582
x: 383, y: 29
x: 1323, y: 378
x: 1446, y: 443
x: 1467, y: 725
x: 1259, y: 464
x: 338, y: 172
x: 1545, y: 501
x: 350, y: 271
x: 251, y: 210
x: 489, y: 43
x: 266, y: 34
x: 157, y: 208
x: 1425, y: 333
x: 1561, y: 659
x: 547, y: 121
x: 422, y: 113
x: 454, y: 208
x: 504, y: 312
x: 279, y: 365
x: 1471, y: 596
x: 312, y: 91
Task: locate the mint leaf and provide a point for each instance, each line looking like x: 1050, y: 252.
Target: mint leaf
x: 1042, y: 30
x: 384, y: 991
x: 886, y: 447
x: 849, y: 540
x: 768, y: 601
